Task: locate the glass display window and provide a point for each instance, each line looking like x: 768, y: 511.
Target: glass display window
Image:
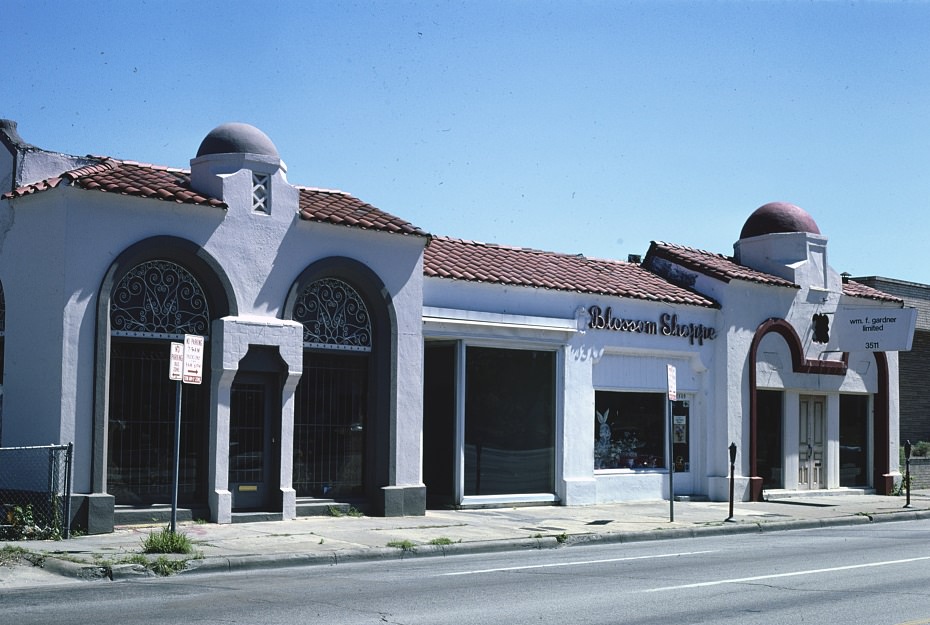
x: 630, y: 431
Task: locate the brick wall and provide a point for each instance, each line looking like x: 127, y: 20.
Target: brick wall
x: 920, y: 473
x: 914, y: 390
x: 913, y: 365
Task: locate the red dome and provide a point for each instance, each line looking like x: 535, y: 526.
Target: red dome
x: 778, y: 217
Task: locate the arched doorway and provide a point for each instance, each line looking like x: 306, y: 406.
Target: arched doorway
x: 883, y: 481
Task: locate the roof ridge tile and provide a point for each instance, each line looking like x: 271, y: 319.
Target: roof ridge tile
x: 713, y: 264
x: 448, y: 257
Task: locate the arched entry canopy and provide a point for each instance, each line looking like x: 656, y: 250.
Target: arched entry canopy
x: 802, y: 365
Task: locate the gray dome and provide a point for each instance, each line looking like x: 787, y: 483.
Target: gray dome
x: 778, y: 217
x: 237, y: 138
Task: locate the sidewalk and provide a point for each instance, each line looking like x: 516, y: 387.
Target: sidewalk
x: 331, y: 540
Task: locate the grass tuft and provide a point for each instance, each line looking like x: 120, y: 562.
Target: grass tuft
x: 404, y: 545
x: 10, y: 555
x: 164, y: 566
x: 167, y: 541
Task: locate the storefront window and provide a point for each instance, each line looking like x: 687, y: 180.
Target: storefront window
x: 854, y: 440
x: 509, y: 421
x: 629, y: 430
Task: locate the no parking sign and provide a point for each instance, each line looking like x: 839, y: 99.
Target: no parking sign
x: 187, y: 360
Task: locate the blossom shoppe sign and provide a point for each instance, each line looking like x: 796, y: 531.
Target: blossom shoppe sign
x: 667, y: 325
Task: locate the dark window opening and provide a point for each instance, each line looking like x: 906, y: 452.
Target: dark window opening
x: 854, y: 440
x: 330, y: 425
x: 439, y: 397
x: 141, y: 427
x: 769, y: 453
x: 509, y: 421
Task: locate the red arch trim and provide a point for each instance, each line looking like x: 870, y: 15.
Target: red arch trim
x: 799, y: 364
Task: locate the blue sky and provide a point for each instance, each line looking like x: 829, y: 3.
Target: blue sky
x: 586, y: 127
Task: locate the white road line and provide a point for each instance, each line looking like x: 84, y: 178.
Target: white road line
x: 740, y: 580
x: 576, y: 563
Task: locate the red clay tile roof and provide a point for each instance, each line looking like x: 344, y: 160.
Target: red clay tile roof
x: 126, y: 178
x: 173, y: 185
x: 857, y: 289
x: 717, y: 266
x: 337, y: 207
x: 484, y: 262
x: 726, y: 269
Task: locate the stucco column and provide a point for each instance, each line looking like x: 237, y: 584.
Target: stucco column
x: 232, y: 337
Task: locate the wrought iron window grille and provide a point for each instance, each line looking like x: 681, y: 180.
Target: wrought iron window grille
x: 159, y: 299
x: 334, y: 316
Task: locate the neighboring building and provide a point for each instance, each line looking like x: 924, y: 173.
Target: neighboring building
x: 352, y: 357
x: 552, y: 370
x: 915, y: 363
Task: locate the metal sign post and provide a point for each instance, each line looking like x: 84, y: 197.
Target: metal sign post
x: 186, y: 367
x: 672, y: 396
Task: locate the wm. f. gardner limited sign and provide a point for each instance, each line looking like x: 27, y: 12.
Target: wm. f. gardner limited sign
x: 874, y: 329
x: 667, y: 325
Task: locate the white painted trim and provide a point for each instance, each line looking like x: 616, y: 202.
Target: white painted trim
x: 474, y: 318
x: 494, y: 500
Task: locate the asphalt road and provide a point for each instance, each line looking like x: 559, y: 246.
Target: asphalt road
x: 876, y: 574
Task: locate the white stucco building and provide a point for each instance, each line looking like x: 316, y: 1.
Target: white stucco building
x: 352, y: 357
x: 310, y: 301
x: 741, y: 333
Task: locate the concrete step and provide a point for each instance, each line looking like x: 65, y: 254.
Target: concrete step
x: 161, y: 513
x: 807, y: 494
x: 321, y: 507
x: 150, y: 515
x: 692, y: 498
x: 256, y: 516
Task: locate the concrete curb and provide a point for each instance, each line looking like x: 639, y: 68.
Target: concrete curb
x: 75, y: 570
x: 242, y: 563
x: 277, y: 561
x: 226, y: 564
x: 129, y: 571
x: 903, y: 515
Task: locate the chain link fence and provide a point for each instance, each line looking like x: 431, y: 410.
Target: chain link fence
x: 35, y: 492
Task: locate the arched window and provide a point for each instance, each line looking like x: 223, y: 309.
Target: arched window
x: 158, y: 299
x: 332, y: 401
x: 154, y: 303
x: 334, y: 316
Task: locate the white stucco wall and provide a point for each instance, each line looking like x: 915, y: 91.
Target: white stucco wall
x: 67, y: 238
x: 591, y: 359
